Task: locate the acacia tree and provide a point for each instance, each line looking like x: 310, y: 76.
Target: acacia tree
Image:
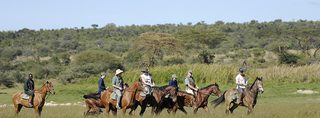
x: 154, y: 46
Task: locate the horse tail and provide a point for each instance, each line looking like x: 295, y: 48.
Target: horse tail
x: 93, y: 95
x: 219, y: 100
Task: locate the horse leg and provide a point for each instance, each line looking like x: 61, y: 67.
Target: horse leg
x: 40, y: 110
x: 133, y: 108
x: 124, y: 110
x: 206, y: 108
x: 227, y: 104
x: 107, y: 109
x: 18, y: 108
x: 114, y: 112
x: 36, y: 110
x: 195, y: 110
x: 234, y: 106
x: 182, y: 109
x: 249, y: 109
x: 143, y: 109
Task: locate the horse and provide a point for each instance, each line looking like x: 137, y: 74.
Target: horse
x: 93, y: 106
x: 189, y: 100
x: 155, y: 99
x: 127, y: 99
x: 93, y: 103
x: 38, y: 101
x: 249, y: 99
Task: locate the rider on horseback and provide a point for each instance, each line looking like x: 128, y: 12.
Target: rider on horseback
x: 146, y: 81
x: 190, y: 84
x: 241, y: 82
x: 117, y: 83
x: 101, y: 85
x: 29, y: 89
x: 173, y: 81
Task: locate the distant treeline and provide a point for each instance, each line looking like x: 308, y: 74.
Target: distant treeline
x: 70, y: 54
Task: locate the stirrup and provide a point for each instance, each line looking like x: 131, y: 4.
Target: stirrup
x: 30, y: 105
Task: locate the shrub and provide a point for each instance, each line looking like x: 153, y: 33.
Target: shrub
x: 287, y: 58
x: 173, y: 61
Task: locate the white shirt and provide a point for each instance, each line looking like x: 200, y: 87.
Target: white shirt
x: 241, y: 81
x: 146, y: 78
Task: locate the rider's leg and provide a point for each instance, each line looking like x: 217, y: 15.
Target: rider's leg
x: 239, y: 96
x: 31, y: 100
x: 118, y: 99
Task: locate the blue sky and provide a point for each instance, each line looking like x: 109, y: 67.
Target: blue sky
x: 56, y: 14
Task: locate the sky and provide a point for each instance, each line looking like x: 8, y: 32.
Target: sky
x: 56, y: 14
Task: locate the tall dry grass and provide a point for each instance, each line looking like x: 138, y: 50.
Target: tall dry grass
x: 225, y: 74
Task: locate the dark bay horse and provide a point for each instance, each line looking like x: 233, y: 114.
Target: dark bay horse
x: 127, y: 99
x: 38, y: 101
x: 249, y: 99
x: 188, y: 100
x: 154, y: 100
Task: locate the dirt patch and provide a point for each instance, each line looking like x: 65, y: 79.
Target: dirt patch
x: 306, y: 92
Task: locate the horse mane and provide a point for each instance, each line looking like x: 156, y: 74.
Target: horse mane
x: 185, y: 93
x: 254, y: 82
x: 161, y: 87
x: 209, y: 86
x: 39, y: 89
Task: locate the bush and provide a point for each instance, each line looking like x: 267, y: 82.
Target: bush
x: 287, y: 58
x: 173, y: 61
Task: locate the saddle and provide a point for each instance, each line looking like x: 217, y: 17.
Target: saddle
x: 25, y: 96
x: 113, y: 96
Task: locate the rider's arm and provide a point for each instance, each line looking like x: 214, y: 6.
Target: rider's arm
x: 114, y: 82
x: 193, y: 88
x: 189, y: 85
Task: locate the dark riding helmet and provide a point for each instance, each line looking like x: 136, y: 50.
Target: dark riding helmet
x: 145, y: 70
x: 30, y: 75
x: 241, y: 70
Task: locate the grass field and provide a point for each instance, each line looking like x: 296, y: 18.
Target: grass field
x: 279, y: 100
x: 287, y: 107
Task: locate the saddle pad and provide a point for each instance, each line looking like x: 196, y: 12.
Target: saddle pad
x: 25, y: 96
x: 113, y: 96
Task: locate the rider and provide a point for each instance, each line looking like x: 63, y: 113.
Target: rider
x: 146, y: 81
x: 29, y: 88
x: 173, y: 81
x: 117, y: 83
x: 101, y: 85
x: 190, y: 84
x: 241, y: 82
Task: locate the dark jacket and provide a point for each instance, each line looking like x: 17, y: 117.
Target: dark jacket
x: 101, y: 85
x: 173, y: 83
x: 29, y: 87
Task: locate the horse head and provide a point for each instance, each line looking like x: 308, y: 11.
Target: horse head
x: 49, y: 87
x: 258, y: 82
x: 212, y: 89
x: 216, y: 89
x: 172, y: 91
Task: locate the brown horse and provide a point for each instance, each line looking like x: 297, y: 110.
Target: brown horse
x: 126, y: 100
x: 155, y: 100
x: 93, y: 106
x: 39, y: 99
x: 249, y: 99
x: 199, y: 101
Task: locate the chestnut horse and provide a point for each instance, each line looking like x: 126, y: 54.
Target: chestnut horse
x: 38, y: 101
x: 249, y: 100
x: 127, y: 99
x: 186, y: 99
x: 155, y: 99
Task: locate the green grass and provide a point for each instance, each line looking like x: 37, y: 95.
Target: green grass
x: 278, y: 107
x: 278, y: 100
